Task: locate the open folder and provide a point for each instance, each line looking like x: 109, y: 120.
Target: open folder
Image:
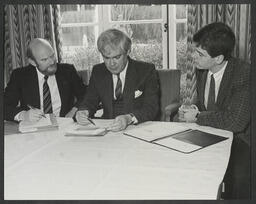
x: 173, y: 136
x: 48, y: 122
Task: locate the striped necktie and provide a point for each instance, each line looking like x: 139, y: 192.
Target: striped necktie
x: 211, y: 96
x: 118, y: 90
x: 47, y: 97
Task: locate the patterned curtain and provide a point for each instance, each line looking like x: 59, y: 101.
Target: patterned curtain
x: 22, y: 24
x: 237, y: 16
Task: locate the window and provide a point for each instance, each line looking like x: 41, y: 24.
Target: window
x: 158, y: 32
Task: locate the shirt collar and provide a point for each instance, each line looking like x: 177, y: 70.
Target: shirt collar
x: 41, y: 76
x: 123, y: 72
x: 220, y: 72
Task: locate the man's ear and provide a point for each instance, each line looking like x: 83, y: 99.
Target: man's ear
x: 31, y: 62
x: 219, y: 59
x: 128, y: 52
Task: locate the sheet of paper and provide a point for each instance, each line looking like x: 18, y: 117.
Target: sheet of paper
x: 99, y: 129
x: 25, y: 126
x: 103, y: 123
x: 150, y: 131
x: 178, y: 145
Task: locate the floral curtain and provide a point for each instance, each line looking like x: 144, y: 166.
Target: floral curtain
x: 24, y: 22
x: 237, y: 16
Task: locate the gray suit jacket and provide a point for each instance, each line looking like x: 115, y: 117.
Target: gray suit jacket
x: 232, y: 106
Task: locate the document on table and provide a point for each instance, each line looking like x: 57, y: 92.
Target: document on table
x: 99, y: 129
x: 150, y: 131
x: 45, y: 123
x: 173, y: 136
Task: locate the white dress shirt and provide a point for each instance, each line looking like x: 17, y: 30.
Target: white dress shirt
x: 122, y: 77
x: 55, y: 95
x: 54, y: 90
x: 217, y: 77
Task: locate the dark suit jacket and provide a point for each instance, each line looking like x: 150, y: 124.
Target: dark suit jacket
x: 139, y: 76
x: 232, y: 106
x: 22, y: 89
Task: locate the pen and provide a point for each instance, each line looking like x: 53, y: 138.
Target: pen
x: 90, y: 120
x: 33, y: 108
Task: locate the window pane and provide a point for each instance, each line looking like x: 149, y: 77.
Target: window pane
x: 181, y: 11
x: 123, y: 12
x: 77, y: 13
x: 79, y: 47
x: 146, y: 42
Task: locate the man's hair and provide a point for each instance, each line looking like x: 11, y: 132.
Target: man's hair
x: 34, y: 42
x: 217, y: 39
x: 114, y: 38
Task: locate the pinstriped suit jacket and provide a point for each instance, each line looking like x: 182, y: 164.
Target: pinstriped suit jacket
x: 232, y: 106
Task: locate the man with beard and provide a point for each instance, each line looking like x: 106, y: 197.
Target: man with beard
x: 44, y: 86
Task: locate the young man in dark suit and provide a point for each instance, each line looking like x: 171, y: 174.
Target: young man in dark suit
x: 223, y: 100
x: 44, y: 86
x: 128, y: 89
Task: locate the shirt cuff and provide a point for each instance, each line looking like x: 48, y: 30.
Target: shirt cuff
x: 134, y: 119
x: 17, y: 116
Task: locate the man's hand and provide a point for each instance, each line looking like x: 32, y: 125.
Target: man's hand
x: 71, y: 113
x: 120, y: 123
x: 188, y: 113
x: 81, y: 117
x: 31, y: 115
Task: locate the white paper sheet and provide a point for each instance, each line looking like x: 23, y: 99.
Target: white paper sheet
x: 150, y: 131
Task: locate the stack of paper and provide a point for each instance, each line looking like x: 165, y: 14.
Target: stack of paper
x: 45, y: 123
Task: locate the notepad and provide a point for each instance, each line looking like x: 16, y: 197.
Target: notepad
x: 100, y: 129
x: 86, y: 131
x: 48, y: 122
x: 184, y: 140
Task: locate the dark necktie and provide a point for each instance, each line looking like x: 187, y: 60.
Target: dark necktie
x: 118, y: 90
x: 47, y: 97
x: 211, y: 96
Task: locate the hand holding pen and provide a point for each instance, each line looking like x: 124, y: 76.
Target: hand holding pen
x: 33, y: 114
x: 82, y: 117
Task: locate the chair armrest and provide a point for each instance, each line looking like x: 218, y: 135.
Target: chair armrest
x: 171, y: 110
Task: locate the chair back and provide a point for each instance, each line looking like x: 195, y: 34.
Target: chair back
x: 169, y: 80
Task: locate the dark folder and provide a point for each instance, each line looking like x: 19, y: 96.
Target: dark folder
x: 197, y: 138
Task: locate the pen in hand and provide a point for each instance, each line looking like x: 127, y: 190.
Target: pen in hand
x: 33, y: 108
x: 90, y: 120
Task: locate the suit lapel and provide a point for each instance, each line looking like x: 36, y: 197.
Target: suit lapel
x: 107, y: 87
x: 225, y: 82
x: 33, y: 87
x: 61, y: 81
x: 129, y: 86
x: 202, y: 89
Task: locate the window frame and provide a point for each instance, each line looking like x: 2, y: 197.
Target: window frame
x: 103, y: 21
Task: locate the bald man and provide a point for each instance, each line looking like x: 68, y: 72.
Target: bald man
x: 24, y: 96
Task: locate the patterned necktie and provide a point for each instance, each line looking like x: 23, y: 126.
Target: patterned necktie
x: 211, y: 96
x: 47, y: 97
x: 118, y: 90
